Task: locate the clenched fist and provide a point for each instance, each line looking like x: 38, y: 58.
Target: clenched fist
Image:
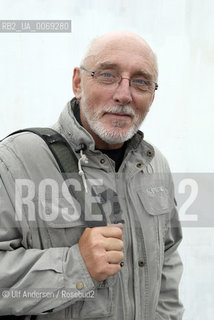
x: 101, y: 249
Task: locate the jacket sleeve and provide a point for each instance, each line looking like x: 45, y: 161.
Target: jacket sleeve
x: 169, y: 306
x: 34, y: 281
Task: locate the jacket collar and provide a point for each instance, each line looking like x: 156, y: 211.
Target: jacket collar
x: 70, y: 128
x: 75, y: 134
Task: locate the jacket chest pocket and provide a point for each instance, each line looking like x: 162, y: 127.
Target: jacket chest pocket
x: 157, y: 205
x: 60, y: 223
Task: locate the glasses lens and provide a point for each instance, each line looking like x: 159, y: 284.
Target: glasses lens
x: 143, y: 84
x: 107, y: 76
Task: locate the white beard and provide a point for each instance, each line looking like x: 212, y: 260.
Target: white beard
x: 110, y: 135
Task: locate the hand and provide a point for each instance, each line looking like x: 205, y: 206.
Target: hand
x: 101, y: 249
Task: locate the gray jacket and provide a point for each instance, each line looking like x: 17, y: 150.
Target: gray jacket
x: 41, y: 269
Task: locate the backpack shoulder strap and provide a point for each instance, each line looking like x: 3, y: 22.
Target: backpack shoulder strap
x: 68, y: 163
x: 58, y: 145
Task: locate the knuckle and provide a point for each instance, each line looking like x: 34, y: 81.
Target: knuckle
x: 100, y: 260
x: 102, y: 256
x: 102, y: 271
x: 96, y: 243
x: 121, y: 244
x: 93, y: 244
x: 120, y: 232
x: 121, y: 255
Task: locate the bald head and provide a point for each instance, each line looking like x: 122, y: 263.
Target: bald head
x: 119, y: 40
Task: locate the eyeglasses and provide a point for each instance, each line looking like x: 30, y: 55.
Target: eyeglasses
x: 112, y: 77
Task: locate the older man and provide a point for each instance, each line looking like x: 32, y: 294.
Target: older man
x: 128, y: 267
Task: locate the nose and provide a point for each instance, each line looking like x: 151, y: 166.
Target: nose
x: 122, y: 93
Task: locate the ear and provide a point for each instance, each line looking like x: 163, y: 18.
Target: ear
x: 76, y: 83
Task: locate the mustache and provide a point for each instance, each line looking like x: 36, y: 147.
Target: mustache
x: 120, y: 109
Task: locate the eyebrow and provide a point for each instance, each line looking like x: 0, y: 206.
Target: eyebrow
x: 145, y: 74
x: 112, y: 65
x: 108, y: 65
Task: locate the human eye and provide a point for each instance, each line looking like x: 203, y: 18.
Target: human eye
x: 106, y: 76
x: 139, y: 81
x: 141, y: 84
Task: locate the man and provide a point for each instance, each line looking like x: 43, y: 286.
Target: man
x: 128, y: 267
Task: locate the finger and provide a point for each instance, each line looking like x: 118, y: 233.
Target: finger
x: 112, y: 269
x: 111, y: 232
x: 113, y: 244
x: 114, y: 256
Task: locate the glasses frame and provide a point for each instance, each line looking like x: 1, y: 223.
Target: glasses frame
x: 93, y: 74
